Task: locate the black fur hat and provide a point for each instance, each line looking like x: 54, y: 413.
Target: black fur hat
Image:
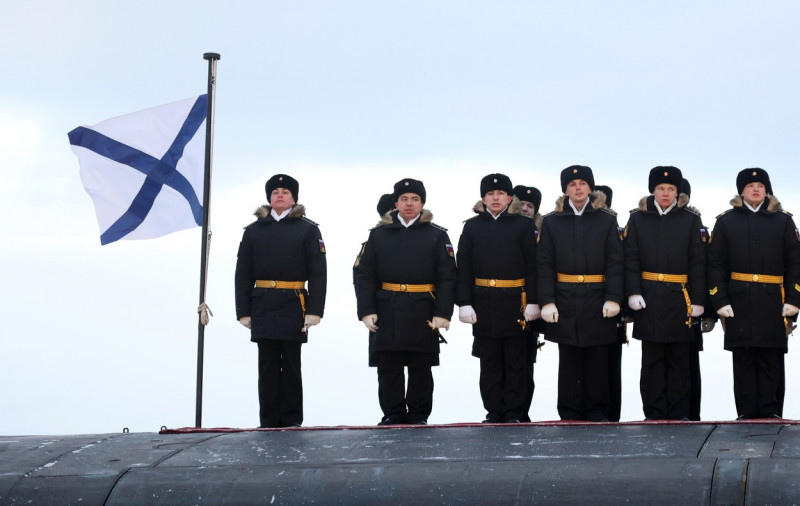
x: 754, y: 175
x: 409, y: 185
x: 686, y: 187
x: 528, y: 194
x: 496, y: 182
x: 664, y: 174
x: 608, y: 192
x: 282, y: 181
x: 576, y: 172
x: 385, y: 203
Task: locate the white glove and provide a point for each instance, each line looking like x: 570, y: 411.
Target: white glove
x: 550, y: 313
x: 246, y: 321
x: 440, y: 323
x: 467, y: 315
x: 636, y: 302
x: 310, y: 321
x: 707, y: 325
x: 725, y: 311
x: 610, y: 309
x: 532, y: 312
x: 697, y: 310
x: 790, y: 310
x: 370, y: 321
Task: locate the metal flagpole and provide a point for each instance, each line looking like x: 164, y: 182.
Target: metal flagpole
x: 203, y: 308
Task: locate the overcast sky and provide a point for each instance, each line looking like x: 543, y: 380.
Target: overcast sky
x: 349, y: 97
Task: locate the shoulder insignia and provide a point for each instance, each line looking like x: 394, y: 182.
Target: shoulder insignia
x: 548, y: 214
x: 637, y: 210
x: 309, y: 221
x: 704, y: 234
x: 608, y: 211
x: 713, y: 291
x: 787, y: 213
x: 691, y: 210
x: 438, y: 227
x: 723, y: 213
x: 470, y: 218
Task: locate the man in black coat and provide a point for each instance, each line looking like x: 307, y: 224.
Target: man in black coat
x: 665, y: 280
x: 753, y: 276
x: 580, y: 274
x: 530, y: 199
x: 277, y: 255
x: 496, y: 294
x: 406, y: 281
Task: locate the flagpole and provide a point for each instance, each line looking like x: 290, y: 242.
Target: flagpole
x: 206, y: 239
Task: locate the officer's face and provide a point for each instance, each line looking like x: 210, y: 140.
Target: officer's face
x: 409, y: 205
x: 527, y: 209
x: 281, y: 199
x: 754, y: 193
x: 665, y: 194
x: 496, y: 200
x: 578, y: 191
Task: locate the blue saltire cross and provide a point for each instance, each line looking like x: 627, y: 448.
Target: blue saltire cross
x: 159, y: 172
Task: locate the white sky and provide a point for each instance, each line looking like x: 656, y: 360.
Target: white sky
x: 348, y: 97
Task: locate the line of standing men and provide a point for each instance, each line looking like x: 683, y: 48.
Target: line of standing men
x: 575, y: 270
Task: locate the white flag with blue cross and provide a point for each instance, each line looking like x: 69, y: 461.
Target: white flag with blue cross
x: 144, y: 171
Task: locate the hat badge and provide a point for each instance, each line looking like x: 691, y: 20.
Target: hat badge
x: 666, y: 173
x: 528, y: 192
x: 755, y: 173
x: 574, y: 171
x: 495, y: 180
x: 407, y: 183
x: 280, y: 178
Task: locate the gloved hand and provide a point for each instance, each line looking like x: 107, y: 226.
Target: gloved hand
x: 697, y: 310
x: 790, y: 310
x: 610, y: 309
x: 246, y: 321
x: 707, y: 325
x: 310, y: 321
x: 550, y: 313
x: 370, y: 321
x: 440, y: 323
x: 636, y: 302
x: 532, y: 312
x: 467, y: 315
x: 725, y: 311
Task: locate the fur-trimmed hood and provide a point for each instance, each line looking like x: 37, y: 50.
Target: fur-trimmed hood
x: 596, y: 198
x: 683, y: 201
x: 298, y: 211
x: 387, y: 219
x: 513, y: 208
x: 773, y: 206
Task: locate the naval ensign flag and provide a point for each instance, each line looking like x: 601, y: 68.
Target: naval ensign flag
x: 144, y: 171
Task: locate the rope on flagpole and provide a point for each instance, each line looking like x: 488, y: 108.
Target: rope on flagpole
x: 205, y: 312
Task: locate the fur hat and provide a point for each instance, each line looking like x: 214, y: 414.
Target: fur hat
x: 574, y: 172
x: 409, y: 185
x: 754, y: 175
x: 608, y: 192
x: 385, y: 203
x: 496, y: 182
x: 686, y: 187
x: 282, y: 181
x: 528, y: 194
x: 664, y: 174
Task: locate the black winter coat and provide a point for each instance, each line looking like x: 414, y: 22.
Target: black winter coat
x: 671, y: 244
x: 502, y: 248
x: 588, y: 244
x: 419, y: 254
x: 765, y: 242
x: 288, y: 250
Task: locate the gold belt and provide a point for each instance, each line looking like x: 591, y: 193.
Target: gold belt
x: 500, y: 283
x: 666, y: 278
x: 394, y: 287
x: 581, y: 278
x: 757, y: 278
x: 284, y: 285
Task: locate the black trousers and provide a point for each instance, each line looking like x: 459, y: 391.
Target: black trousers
x: 583, y: 383
x: 280, y: 383
x: 532, y: 350
x: 664, y: 381
x: 401, y: 404
x: 695, y: 381
x: 614, y: 381
x: 758, y: 382
x: 503, y: 380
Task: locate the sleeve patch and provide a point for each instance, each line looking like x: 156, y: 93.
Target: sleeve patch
x: 321, y: 246
x: 704, y: 234
x: 449, y: 249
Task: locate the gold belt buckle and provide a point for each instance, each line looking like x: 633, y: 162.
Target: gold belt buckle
x: 403, y: 287
x: 580, y: 278
x: 273, y: 284
x: 492, y: 282
x: 755, y: 278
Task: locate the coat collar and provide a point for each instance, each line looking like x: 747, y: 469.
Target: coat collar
x: 513, y: 208
x: 263, y: 212
x: 597, y: 199
x: 773, y: 205
x: 648, y: 203
x: 391, y: 218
